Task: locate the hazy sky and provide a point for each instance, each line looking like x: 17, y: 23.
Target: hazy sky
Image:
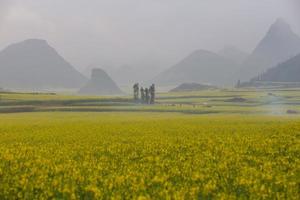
x: 141, y: 32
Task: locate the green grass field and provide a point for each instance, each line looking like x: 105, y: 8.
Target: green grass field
x: 228, y: 144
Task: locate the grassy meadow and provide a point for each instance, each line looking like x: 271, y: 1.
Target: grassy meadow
x: 219, y: 144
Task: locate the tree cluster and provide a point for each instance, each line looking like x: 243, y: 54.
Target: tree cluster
x: 144, y: 95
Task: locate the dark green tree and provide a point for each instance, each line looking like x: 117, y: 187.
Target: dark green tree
x: 142, y: 95
x: 147, y: 96
x: 152, y: 94
x: 238, y: 84
x: 136, y: 91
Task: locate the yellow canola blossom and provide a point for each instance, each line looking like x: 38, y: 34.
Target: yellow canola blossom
x: 148, y: 156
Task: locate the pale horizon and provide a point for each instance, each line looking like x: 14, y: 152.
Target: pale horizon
x: 140, y: 33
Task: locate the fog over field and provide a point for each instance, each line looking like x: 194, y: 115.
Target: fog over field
x: 149, y: 99
x: 141, y: 33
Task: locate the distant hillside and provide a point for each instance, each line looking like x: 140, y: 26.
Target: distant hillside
x: 234, y: 54
x: 288, y: 71
x: 199, y: 67
x: 127, y: 75
x: 100, y: 84
x: 186, y: 87
x: 33, y: 64
x: 279, y: 45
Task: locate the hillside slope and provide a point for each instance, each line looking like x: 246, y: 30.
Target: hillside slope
x: 288, y: 71
x: 199, y: 67
x: 279, y: 45
x: 33, y: 64
x: 100, y: 84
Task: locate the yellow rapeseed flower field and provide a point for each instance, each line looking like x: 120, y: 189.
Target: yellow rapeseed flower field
x: 148, y: 156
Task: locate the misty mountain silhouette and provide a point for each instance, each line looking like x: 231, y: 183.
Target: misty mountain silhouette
x: 279, y: 45
x: 288, y: 71
x: 200, y: 67
x: 186, y: 87
x: 33, y: 64
x: 234, y: 54
x: 126, y: 75
x: 100, y: 84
